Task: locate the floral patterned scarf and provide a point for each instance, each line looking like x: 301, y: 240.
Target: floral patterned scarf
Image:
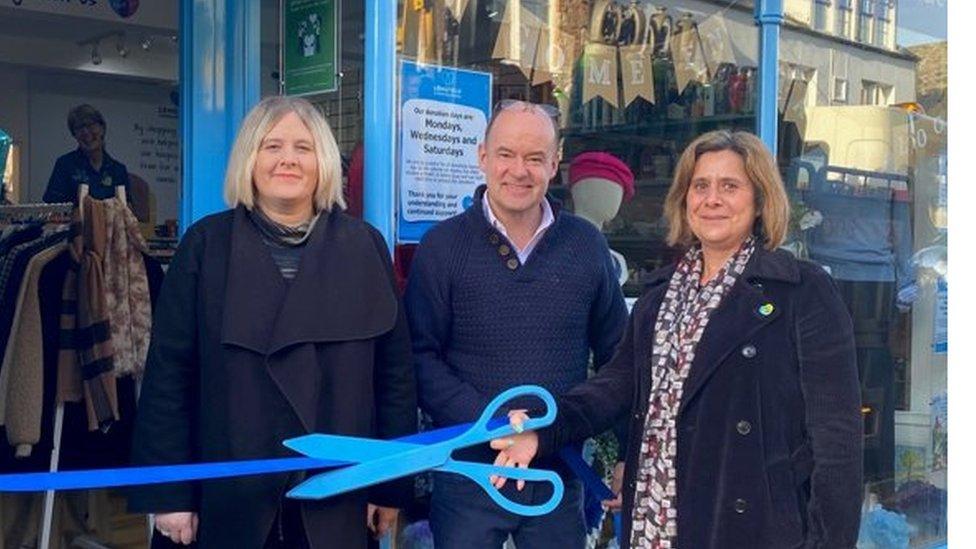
x: 680, y: 324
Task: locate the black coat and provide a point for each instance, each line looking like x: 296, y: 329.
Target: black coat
x: 769, y: 428
x: 241, y: 360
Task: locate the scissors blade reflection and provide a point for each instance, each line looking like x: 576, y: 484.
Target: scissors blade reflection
x: 372, y: 472
x: 345, y: 448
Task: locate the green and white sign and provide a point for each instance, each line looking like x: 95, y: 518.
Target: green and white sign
x: 310, y: 41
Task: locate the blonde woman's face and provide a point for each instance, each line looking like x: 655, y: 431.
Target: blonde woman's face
x: 721, y: 201
x: 285, y: 168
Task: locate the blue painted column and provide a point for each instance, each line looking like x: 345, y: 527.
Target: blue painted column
x: 379, y: 149
x: 769, y: 17
x: 219, y: 82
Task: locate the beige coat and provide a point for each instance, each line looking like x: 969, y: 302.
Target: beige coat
x: 22, y: 386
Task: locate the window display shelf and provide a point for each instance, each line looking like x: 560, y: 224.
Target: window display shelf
x: 660, y: 126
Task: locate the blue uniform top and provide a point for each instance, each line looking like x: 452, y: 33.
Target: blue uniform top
x: 73, y: 169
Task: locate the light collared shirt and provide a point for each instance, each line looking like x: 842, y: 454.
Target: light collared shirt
x: 523, y: 254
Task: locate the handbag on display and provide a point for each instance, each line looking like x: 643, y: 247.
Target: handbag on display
x: 661, y: 25
x: 605, y: 22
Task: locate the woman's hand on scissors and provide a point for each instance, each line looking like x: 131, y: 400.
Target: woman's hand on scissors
x: 517, y: 450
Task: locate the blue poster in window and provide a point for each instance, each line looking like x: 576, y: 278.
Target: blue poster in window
x: 443, y: 115
x: 940, y: 328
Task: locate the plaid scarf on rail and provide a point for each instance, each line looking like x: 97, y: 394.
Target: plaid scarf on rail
x: 86, y: 357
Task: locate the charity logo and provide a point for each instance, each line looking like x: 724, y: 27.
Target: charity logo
x: 124, y: 8
x: 309, y: 31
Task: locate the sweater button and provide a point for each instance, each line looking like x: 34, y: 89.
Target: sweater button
x: 504, y: 250
x: 743, y: 427
x: 512, y: 263
x: 749, y: 351
x: 739, y: 505
x: 493, y: 238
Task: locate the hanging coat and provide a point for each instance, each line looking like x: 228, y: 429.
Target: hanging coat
x: 769, y: 445
x: 240, y: 360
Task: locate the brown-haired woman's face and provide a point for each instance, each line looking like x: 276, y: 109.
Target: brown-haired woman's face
x: 286, y: 169
x: 721, y: 201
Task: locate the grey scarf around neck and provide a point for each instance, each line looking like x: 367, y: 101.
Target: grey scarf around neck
x: 281, y: 234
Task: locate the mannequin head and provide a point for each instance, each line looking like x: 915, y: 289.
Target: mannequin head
x: 596, y: 200
x: 599, y: 182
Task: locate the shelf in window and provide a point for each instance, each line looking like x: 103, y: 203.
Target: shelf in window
x: 637, y: 130
x: 624, y: 239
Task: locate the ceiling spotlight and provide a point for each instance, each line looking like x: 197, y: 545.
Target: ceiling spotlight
x: 120, y: 46
x: 147, y: 43
x: 96, y: 58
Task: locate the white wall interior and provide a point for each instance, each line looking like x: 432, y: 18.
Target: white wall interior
x: 47, y: 67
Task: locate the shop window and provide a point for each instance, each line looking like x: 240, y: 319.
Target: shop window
x: 821, y: 11
x: 630, y: 79
x: 868, y: 193
x: 339, y: 95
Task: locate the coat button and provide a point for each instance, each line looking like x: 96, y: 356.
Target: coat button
x: 637, y: 415
x: 739, y: 505
x: 512, y: 263
x: 743, y: 427
x: 504, y: 250
x: 493, y: 238
x: 749, y: 351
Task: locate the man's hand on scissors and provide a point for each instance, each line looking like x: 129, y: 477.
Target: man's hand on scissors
x: 517, y: 450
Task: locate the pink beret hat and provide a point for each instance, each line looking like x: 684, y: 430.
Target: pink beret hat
x: 602, y: 165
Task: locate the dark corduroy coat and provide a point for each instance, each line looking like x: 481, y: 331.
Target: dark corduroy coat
x: 769, y: 428
x: 241, y: 360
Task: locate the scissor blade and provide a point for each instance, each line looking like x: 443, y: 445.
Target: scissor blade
x: 353, y: 449
x: 369, y: 473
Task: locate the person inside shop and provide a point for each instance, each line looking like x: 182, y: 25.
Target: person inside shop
x: 89, y: 164
x: 276, y: 319
x: 514, y: 290
x: 738, y: 373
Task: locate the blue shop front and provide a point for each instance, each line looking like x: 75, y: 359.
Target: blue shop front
x: 849, y: 94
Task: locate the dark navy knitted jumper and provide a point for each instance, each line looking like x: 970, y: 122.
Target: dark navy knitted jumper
x: 481, y: 322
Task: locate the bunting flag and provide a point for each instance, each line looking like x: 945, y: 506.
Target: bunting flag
x: 518, y: 38
x: 636, y: 73
x: 554, y: 59
x: 600, y: 73
x: 457, y: 7
x: 689, y: 59
x: 716, y: 42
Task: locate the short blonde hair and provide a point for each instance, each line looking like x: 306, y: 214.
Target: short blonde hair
x: 239, y: 180
x: 771, y: 200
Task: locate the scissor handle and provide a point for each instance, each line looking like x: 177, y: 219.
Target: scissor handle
x: 481, y: 431
x: 480, y: 473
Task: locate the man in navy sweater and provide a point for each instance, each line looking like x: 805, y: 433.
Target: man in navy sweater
x: 511, y: 291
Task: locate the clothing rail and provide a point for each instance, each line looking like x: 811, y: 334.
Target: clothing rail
x: 13, y: 212
x: 48, y: 516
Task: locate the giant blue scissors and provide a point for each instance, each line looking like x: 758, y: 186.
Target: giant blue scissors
x: 380, y: 460
x: 366, y: 462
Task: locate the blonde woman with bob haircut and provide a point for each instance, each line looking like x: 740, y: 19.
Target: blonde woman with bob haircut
x: 277, y: 318
x: 737, y: 372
